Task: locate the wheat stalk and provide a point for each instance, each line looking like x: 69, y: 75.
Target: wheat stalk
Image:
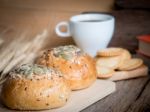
x: 21, y: 52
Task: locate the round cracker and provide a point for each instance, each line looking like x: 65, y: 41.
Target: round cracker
x: 124, y: 56
x: 104, y: 72
x: 131, y: 64
x: 110, y: 62
x: 112, y: 51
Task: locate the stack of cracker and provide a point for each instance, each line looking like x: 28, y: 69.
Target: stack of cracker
x: 117, y: 64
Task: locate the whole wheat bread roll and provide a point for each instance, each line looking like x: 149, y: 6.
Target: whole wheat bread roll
x: 34, y: 87
x: 78, y: 67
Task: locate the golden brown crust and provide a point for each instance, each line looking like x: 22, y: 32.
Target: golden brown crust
x: 79, y: 71
x: 35, y: 94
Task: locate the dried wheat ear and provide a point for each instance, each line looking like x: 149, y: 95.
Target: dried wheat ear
x: 20, y: 51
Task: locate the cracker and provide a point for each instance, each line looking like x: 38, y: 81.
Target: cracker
x: 104, y: 72
x: 111, y: 62
x: 131, y: 64
x: 112, y: 51
x: 124, y: 56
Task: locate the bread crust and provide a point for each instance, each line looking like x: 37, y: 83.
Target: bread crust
x: 80, y: 71
x: 35, y: 94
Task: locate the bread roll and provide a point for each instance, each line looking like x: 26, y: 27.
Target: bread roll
x: 34, y: 87
x: 78, y: 67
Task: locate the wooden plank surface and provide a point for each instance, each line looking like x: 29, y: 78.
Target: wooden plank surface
x: 60, y: 5
x: 129, y: 25
x: 142, y: 101
x: 131, y: 95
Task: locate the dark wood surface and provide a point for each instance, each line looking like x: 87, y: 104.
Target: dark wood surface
x: 130, y: 96
x: 133, y: 4
x: 129, y: 25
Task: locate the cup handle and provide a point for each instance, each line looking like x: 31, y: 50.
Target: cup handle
x: 59, y: 32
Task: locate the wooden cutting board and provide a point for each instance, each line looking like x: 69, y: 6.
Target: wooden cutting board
x: 82, y: 98
x: 123, y: 75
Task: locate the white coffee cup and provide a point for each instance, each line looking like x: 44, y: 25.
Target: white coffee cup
x: 91, y: 32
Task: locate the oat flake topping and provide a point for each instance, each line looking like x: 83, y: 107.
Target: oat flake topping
x: 28, y: 70
x: 67, y: 52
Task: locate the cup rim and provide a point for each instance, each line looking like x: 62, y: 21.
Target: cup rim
x: 109, y: 17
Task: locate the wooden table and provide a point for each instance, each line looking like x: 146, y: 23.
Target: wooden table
x: 131, y: 95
